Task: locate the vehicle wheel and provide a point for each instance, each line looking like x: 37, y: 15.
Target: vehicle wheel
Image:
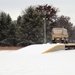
x: 53, y: 41
x: 62, y: 41
x: 66, y: 42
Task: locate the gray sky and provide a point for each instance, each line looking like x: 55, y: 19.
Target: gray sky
x: 15, y: 7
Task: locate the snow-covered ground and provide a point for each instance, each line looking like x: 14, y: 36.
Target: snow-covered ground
x: 31, y: 61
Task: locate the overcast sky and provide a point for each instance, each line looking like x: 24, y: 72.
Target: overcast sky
x: 15, y: 7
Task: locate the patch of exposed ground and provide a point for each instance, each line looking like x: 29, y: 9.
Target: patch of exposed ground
x: 10, y: 48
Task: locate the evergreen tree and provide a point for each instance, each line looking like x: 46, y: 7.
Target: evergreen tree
x: 3, y: 25
x: 30, y: 29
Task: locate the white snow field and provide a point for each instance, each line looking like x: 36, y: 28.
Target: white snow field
x: 31, y: 61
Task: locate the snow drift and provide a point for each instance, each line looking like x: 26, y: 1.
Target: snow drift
x: 31, y: 61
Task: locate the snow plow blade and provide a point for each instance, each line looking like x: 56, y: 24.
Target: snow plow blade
x: 58, y: 47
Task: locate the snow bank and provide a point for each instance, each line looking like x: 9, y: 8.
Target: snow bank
x: 35, y: 49
x: 27, y: 61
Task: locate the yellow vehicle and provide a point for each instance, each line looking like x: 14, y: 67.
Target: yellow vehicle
x: 59, y: 35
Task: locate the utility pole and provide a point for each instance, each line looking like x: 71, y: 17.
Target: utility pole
x: 44, y: 30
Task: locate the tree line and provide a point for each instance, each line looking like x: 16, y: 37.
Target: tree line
x: 29, y: 27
